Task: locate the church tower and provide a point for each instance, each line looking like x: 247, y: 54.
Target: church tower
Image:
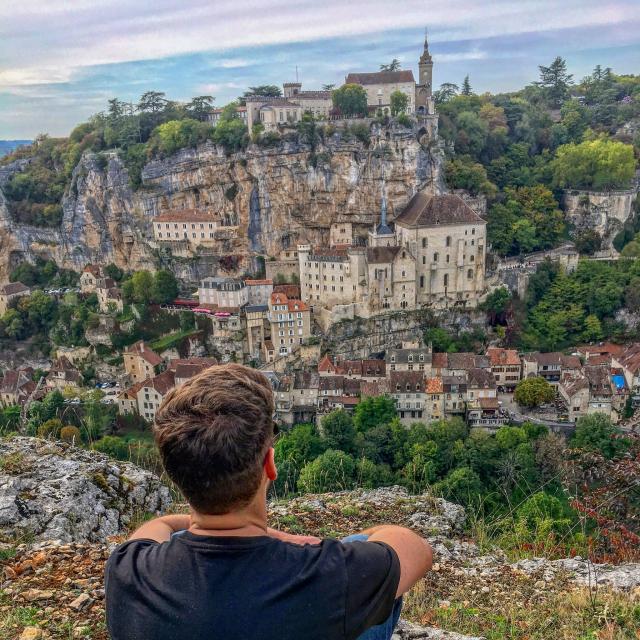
x: 382, y: 235
x: 424, y: 88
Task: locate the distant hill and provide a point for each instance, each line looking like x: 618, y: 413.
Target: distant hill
x: 7, y: 146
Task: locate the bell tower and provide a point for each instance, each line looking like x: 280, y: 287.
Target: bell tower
x: 425, y: 67
x: 424, y: 88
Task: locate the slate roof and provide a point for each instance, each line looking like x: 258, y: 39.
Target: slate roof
x: 375, y: 387
x: 481, y: 378
x: 426, y: 210
x: 380, y: 77
x: 306, y: 380
x: 408, y: 381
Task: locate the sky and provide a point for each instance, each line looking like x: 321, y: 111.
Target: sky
x: 61, y: 60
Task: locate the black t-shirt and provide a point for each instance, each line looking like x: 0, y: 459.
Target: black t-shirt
x: 260, y: 588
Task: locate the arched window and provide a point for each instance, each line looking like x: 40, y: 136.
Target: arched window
x: 448, y: 241
x: 424, y: 243
x: 446, y: 279
x: 435, y: 257
x: 470, y: 274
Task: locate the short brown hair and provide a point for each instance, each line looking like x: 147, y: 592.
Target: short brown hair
x: 213, y: 433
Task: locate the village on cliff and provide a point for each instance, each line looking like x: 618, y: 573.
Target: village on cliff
x: 335, y: 322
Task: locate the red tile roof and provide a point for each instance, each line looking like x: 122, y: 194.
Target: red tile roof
x: 149, y: 355
x: 292, y: 305
x: 434, y: 385
x: 498, y: 356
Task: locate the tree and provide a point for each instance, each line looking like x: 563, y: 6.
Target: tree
x: 338, y: 431
x: 152, y: 101
x: 596, y: 432
x: 371, y: 412
x: 533, y: 392
x: 331, y: 471
x: 466, y: 86
x: 592, y: 328
x: 138, y: 288
x: 446, y: 91
x: 497, y: 302
x: 599, y: 164
x: 174, y: 135
x: 394, y: 65
x: 462, y: 485
x: 350, y: 100
x: 265, y: 90
x: 200, y: 107
x: 399, y: 103
x: 555, y: 81
x: 462, y: 172
x: 165, y: 287
x: 328, y: 87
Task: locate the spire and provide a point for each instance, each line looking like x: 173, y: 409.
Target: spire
x: 426, y: 56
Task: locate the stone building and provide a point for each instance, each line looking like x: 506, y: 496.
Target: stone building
x: 223, y: 292
x: 141, y: 362
x: 89, y: 278
x: 505, y: 366
x: 10, y: 292
x: 259, y: 291
x: 109, y: 295
x: 379, y: 86
x: 318, y: 103
x: 447, y: 239
x: 189, y: 226
x: 214, y: 116
x: 272, y: 112
x: 290, y: 323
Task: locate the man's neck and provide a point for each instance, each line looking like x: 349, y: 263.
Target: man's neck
x: 250, y: 521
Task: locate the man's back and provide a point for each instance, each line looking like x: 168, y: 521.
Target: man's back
x: 239, y: 588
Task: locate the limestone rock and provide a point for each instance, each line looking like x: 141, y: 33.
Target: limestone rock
x: 53, y: 491
x: 624, y: 577
x: 409, y: 631
x: 281, y: 196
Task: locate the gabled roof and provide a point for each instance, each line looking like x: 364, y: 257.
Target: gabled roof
x: 381, y: 77
x: 413, y: 379
x: 289, y: 290
x: 162, y: 383
x: 149, y: 355
x: 481, y: 378
x: 326, y: 364
x: 13, y: 288
x: 466, y: 361
x: 292, y: 305
x: 630, y: 357
x: 331, y: 383
x: 426, y: 210
x: 498, y: 356
x: 93, y: 269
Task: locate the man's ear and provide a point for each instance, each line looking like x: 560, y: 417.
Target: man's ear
x: 270, y: 465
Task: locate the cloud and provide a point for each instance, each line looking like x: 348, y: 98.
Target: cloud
x: 476, y: 54
x: 233, y: 63
x: 69, y: 36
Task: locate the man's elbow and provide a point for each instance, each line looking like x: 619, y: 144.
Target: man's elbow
x: 427, y: 557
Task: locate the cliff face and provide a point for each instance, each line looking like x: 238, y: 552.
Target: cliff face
x: 277, y: 197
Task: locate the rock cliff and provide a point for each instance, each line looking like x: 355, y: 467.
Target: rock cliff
x: 276, y: 196
x: 56, y: 587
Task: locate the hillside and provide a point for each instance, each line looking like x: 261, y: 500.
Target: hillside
x: 269, y: 198
x: 54, y: 589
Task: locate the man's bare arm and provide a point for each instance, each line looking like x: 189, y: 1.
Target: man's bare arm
x: 161, y: 529
x: 290, y: 537
x: 415, y: 553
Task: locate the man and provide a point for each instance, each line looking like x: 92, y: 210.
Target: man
x: 221, y: 572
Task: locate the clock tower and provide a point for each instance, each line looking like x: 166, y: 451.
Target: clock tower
x: 424, y: 88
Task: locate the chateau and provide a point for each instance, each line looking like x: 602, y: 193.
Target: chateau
x: 434, y: 258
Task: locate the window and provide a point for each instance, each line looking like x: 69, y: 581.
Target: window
x: 422, y: 282
x: 424, y: 243
x: 435, y: 257
x: 470, y: 274
x: 446, y: 280
x: 448, y: 241
x: 473, y: 232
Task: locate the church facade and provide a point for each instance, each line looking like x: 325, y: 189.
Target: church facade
x: 433, y: 258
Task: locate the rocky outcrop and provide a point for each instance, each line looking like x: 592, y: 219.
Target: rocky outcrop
x: 269, y: 199
x: 604, y: 212
x: 54, y: 491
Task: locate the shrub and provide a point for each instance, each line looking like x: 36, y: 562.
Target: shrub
x: 50, y: 428
x: 70, y: 434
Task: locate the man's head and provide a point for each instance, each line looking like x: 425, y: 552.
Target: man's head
x: 214, y: 433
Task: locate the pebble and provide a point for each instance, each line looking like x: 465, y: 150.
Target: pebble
x: 82, y: 601
x: 31, y: 633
